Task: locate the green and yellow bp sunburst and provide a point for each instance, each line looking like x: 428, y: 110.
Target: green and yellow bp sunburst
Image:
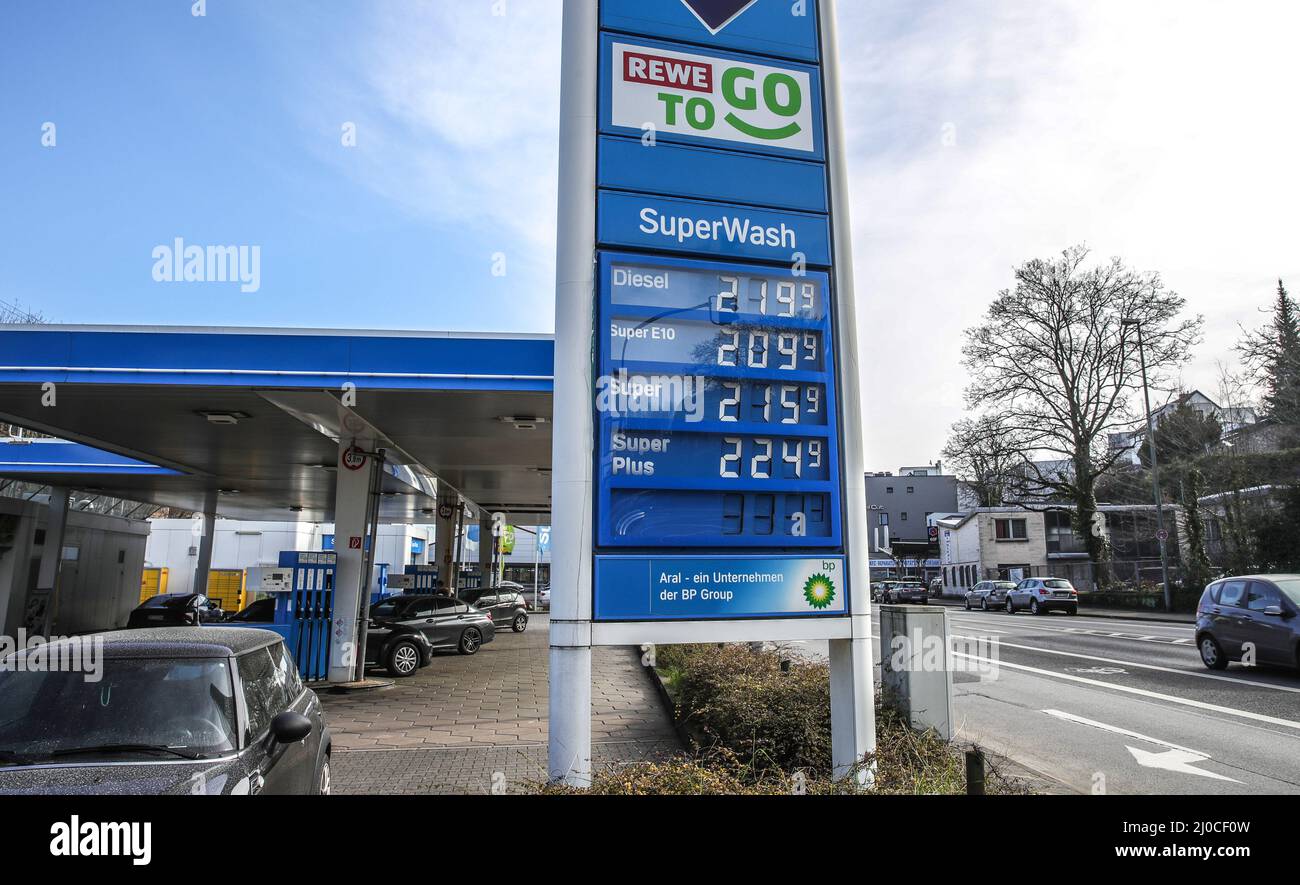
x: 819, y: 591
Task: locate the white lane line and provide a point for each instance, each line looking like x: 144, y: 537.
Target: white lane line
x: 977, y: 624
x: 1196, y: 673
x: 1115, y: 729
x: 1141, y: 692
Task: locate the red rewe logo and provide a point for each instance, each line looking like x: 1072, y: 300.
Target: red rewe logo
x: 654, y: 70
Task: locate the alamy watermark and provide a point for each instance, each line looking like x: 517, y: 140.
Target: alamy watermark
x: 26, y: 653
x: 919, y: 652
x: 179, y: 263
x: 622, y: 395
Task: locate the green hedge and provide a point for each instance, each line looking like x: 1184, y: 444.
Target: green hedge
x: 1184, y: 600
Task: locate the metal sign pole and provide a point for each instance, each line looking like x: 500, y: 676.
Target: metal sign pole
x: 570, y: 632
x: 853, y: 712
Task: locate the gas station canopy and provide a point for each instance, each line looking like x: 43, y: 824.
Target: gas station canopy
x: 257, y: 414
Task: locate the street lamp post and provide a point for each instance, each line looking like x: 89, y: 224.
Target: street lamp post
x: 1162, y: 536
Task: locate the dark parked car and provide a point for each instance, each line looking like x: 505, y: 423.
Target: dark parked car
x: 989, y: 594
x: 1042, y: 595
x: 913, y: 592
x: 175, y: 610
x: 406, y: 630
x: 504, y: 605
x: 1257, y: 613
x: 175, y: 710
x: 260, y: 612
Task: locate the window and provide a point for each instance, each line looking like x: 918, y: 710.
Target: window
x: 1261, y: 596
x: 263, y: 694
x: 1233, y: 593
x: 902, y: 517
x: 286, y: 673
x: 884, y: 519
x: 1061, y: 537
x: 183, y: 703
x: 911, y: 490
x: 889, y: 490
x: 1010, y: 529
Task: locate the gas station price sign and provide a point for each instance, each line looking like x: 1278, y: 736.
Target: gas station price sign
x: 715, y: 407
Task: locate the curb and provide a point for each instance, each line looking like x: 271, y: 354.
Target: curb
x: 669, y: 708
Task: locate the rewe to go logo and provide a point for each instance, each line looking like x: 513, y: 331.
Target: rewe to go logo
x: 713, y: 98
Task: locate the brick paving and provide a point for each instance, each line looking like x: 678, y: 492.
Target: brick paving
x: 463, y: 721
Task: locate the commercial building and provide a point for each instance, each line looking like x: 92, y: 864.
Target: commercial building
x: 901, y: 510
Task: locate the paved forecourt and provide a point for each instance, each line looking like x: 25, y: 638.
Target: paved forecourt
x: 462, y: 721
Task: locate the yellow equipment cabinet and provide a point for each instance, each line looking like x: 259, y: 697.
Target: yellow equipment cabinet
x: 226, y: 588
x: 153, y: 581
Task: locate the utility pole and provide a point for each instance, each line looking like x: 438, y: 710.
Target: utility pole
x: 1161, y: 534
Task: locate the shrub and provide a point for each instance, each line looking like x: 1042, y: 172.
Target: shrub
x: 765, y: 730
x: 742, y: 701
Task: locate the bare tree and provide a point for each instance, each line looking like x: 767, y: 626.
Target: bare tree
x: 16, y: 314
x: 1057, y: 356
x: 986, y: 453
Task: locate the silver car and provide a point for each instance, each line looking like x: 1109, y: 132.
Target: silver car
x: 989, y: 595
x: 1042, y: 595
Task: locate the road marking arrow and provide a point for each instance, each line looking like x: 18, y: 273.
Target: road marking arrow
x: 717, y: 14
x: 1180, y: 761
x: 1174, y: 758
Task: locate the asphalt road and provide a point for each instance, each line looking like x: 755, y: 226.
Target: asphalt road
x: 1120, y: 706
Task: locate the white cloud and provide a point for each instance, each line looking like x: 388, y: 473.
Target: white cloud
x: 1157, y: 131
x: 458, y: 110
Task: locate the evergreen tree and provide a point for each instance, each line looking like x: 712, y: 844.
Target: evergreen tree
x: 1182, y: 434
x: 1274, y: 353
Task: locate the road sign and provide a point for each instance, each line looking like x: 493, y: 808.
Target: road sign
x: 1162, y: 535
x: 354, y: 458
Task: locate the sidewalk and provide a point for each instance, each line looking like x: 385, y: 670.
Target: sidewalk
x: 472, y: 724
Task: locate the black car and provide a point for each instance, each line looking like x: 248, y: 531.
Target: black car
x: 175, y: 610
x: 260, y: 612
x: 406, y: 630
x: 1255, y: 618
x: 504, y: 605
x: 176, y: 710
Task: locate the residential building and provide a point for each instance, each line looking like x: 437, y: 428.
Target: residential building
x: 1012, y: 543
x: 1231, y: 419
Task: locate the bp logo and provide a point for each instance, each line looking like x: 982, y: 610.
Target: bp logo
x: 819, y: 591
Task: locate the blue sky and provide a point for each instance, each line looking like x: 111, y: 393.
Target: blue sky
x: 981, y: 135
